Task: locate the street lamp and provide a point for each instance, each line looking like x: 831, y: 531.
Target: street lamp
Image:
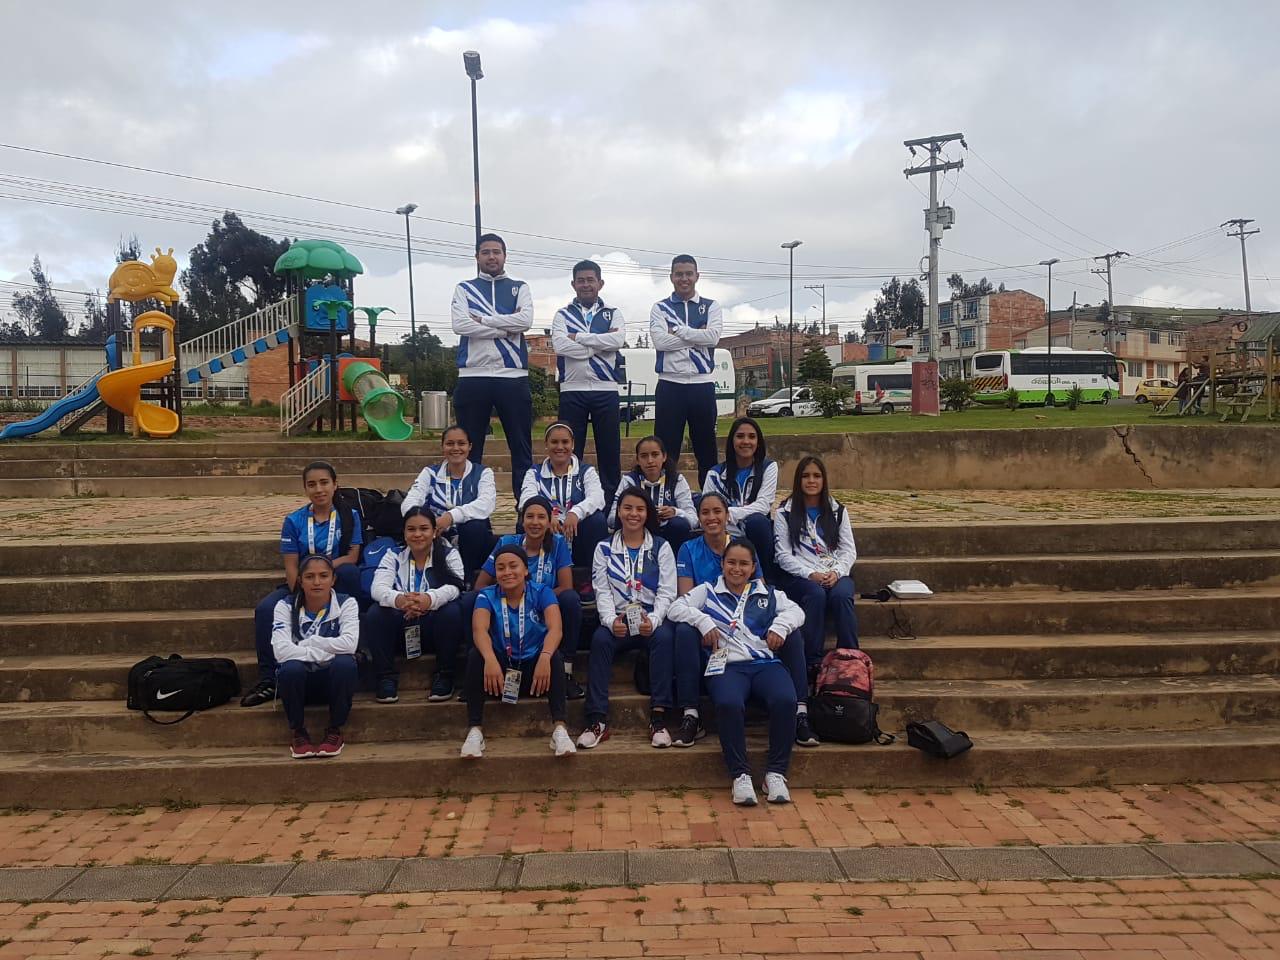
x: 471, y: 63
x: 791, y: 317
x: 404, y: 211
x: 1048, y: 326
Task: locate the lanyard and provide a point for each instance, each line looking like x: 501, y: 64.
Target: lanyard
x: 634, y: 565
x: 542, y: 557
x: 452, y: 487
x: 506, y: 626
x: 656, y: 491
x: 309, y: 630
x: 411, y: 576
x: 334, y: 526
x: 742, y: 606
x: 819, y: 545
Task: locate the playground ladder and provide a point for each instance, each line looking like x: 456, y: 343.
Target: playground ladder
x: 305, y: 399
x: 237, y: 341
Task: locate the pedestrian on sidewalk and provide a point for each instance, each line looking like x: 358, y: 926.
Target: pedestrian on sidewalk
x: 573, y: 488
x: 462, y: 495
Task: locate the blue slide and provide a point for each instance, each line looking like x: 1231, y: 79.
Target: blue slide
x: 72, y: 402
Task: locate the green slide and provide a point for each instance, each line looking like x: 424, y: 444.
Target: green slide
x: 380, y: 404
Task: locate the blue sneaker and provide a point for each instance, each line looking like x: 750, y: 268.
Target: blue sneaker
x: 388, y: 690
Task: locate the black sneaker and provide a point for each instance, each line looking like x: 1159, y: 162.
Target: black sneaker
x: 388, y: 690
x: 441, y: 687
x: 805, y: 736
x: 263, y: 692
x: 690, y: 732
x: 572, y: 688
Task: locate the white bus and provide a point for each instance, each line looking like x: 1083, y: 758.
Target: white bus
x: 996, y: 372
x: 640, y: 380
x: 876, y: 387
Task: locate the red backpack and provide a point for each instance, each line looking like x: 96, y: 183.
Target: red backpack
x: 842, y: 708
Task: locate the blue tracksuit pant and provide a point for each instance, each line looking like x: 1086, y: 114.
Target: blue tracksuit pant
x: 694, y: 404
x: 691, y: 657
x: 382, y: 633
x: 299, y: 683
x: 765, y: 680
x: 605, y: 646
x: 820, y: 604
x: 475, y: 399
x: 600, y: 407
x: 759, y: 530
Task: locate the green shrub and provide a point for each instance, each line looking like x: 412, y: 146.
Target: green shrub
x: 1012, y: 399
x: 956, y: 393
x: 1075, y: 397
x: 830, y: 399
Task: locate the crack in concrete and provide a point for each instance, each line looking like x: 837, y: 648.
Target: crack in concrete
x: 1124, y: 442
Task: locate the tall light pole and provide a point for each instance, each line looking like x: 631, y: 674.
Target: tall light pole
x: 1048, y: 317
x: 404, y: 211
x: 790, y: 247
x: 471, y: 62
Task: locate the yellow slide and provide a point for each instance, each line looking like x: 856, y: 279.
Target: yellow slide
x: 122, y: 389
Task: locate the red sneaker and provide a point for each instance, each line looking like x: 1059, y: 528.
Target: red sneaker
x: 301, y: 747
x: 332, y: 743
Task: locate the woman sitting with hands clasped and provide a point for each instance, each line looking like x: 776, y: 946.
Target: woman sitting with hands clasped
x: 516, y: 635
x: 416, y: 591
x: 461, y: 494
x: 745, y: 621
x: 573, y: 488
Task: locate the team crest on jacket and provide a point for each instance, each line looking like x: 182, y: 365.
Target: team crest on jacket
x: 763, y: 603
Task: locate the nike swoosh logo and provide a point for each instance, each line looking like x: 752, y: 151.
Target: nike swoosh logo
x: 166, y: 696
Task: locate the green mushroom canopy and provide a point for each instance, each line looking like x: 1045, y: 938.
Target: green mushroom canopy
x: 315, y: 259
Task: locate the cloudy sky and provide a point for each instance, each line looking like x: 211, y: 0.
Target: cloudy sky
x: 630, y: 130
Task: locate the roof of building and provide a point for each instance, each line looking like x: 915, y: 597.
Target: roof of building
x: 6, y: 342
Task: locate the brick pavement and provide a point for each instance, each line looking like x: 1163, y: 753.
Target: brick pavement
x: 582, y: 820
x: 1168, y: 919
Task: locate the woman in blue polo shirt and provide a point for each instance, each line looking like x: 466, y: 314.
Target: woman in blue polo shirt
x: 658, y: 475
x: 744, y: 622
x: 419, y: 603
x: 461, y: 494
x: 551, y: 566
x: 314, y: 633
x: 634, y: 577
x: 318, y: 528
x: 516, y: 633
x: 573, y: 488
x: 748, y: 479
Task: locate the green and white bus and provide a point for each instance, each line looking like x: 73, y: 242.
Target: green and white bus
x: 1031, y: 371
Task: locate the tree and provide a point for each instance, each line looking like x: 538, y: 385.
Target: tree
x: 900, y: 306
x: 965, y: 290
x: 545, y: 392
x: 231, y: 274
x: 94, y: 329
x: 437, y: 369
x: 815, y: 365
x: 39, y: 313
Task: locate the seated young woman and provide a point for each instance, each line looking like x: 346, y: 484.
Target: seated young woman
x: 314, y: 633
x: 461, y: 494
x: 419, y: 605
x: 551, y: 566
x: 815, y: 555
x: 634, y: 577
x: 574, y: 490
x: 748, y: 480
x: 516, y: 639
x: 744, y: 622
x: 658, y: 476
x: 318, y: 528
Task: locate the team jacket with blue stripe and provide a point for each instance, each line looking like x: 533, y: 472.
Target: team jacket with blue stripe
x: 590, y: 360
x: 580, y: 487
x: 803, y: 558
x: 709, y: 606
x: 490, y: 316
x: 338, y: 632
x: 685, y: 333
x: 477, y: 495
x: 678, y: 496
x: 657, y: 578
x: 395, y: 575
x: 743, y: 500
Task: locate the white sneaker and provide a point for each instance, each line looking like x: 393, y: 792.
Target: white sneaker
x: 561, y: 743
x: 744, y: 791
x: 775, y: 785
x: 661, y: 736
x: 593, y: 736
x: 473, y: 746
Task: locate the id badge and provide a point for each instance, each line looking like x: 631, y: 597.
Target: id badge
x: 716, y: 664
x: 511, y: 687
x: 413, y: 641
x: 635, y: 615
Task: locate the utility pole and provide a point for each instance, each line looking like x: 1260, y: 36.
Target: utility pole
x: 1240, y: 223
x: 822, y: 289
x: 1071, y: 334
x: 1048, y: 331
x: 936, y: 219
x: 1112, y: 322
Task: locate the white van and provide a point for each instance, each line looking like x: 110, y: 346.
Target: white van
x: 876, y: 387
x: 640, y: 380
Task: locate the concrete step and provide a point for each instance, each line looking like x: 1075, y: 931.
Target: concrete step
x: 267, y: 775
x: 1042, y: 706
x: 127, y: 592
x: 40, y: 677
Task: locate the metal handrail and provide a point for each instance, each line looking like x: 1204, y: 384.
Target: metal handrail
x: 304, y: 397
x: 239, y: 333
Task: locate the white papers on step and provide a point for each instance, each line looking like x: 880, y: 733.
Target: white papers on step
x: 909, y: 589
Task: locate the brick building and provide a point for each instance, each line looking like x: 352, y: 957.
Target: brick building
x: 966, y: 326
x: 760, y: 355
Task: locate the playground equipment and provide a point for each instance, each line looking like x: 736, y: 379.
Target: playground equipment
x: 84, y: 395
x: 381, y: 404
x: 122, y: 389
x: 134, y: 280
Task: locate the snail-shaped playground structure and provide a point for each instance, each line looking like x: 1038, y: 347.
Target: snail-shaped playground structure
x: 134, y: 280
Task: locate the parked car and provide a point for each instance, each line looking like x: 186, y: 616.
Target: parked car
x: 1156, y: 390
x: 797, y: 402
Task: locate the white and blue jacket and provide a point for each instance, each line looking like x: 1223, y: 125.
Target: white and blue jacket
x: 337, y: 631
x: 743, y: 496
x: 679, y: 495
x: 806, y: 557
x: 474, y: 498
x: 490, y: 316
x: 396, y: 574
x: 656, y: 571
x: 580, y: 488
x: 712, y: 606
x: 589, y: 361
x: 685, y: 333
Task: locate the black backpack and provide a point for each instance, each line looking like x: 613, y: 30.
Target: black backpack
x: 174, y: 683
x: 842, y: 707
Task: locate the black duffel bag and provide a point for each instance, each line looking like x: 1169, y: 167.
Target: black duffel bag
x: 177, y: 684
x: 937, y: 739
